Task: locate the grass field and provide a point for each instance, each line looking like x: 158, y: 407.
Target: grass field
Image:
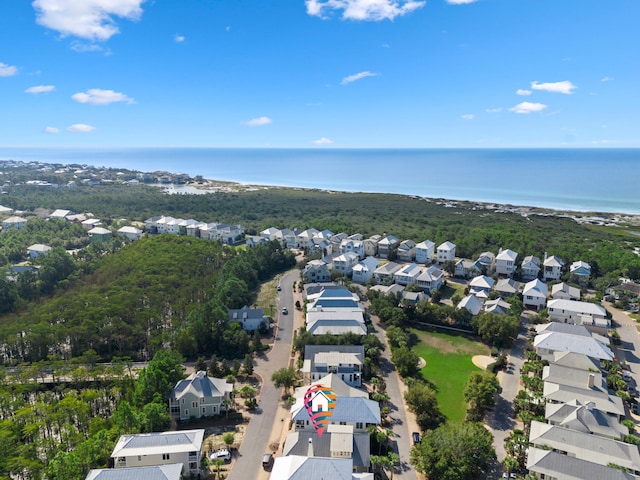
x: 449, y: 365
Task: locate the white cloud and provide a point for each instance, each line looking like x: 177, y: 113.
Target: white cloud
x: 82, y: 47
x: 40, y: 89
x: 51, y: 130
x: 179, y: 38
x: 468, y: 116
x: 528, y: 107
x: 81, y: 127
x: 460, y: 2
x: 565, y: 87
x: 374, y: 10
x: 323, y: 141
x: 356, y: 77
x: 522, y: 91
x: 259, y: 122
x: 96, y: 96
x: 606, y: 79
x: 7, y: 70
x: 90, y: 19
x: 494, y: 110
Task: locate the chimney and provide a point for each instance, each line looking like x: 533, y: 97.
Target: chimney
x: 310, y: 449
x: 592, y: 379
x: 545, y: 257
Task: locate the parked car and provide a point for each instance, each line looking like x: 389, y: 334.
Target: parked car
x: 415, y: 436
x: 223, y: 453
x: 278, y: 288
x: 284, y: 310
x: 267, y: 460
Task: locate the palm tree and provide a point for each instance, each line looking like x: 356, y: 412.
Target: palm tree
x: 510, y: 464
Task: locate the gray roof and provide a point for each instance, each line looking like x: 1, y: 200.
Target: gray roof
x: 564, y: 467
x: 335, y: 383
x: 584, y: 418
x: 297, y: 443
x: 507, y: 285
x: 336, y: 326
x: 296, y: 467
x: 571, y: 376
x: 201, y: 386
x: 600, y: 450
x: 347, y: 409
x: 330, y: 303
x: 563, y: 342
x: 158, y: 472
x: 246, y: 312
x: 162, y: 442
x: 555, y: 392
x: 576, y: 360
x: 587, y: 308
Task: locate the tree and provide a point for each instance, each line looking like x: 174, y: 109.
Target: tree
x: 479, y: 393
x: 285, y: 377
x: 510, y: 464
x: 156, y: 417
x: 496, y: 330
x: 228, y: 438
x: 421, y: 400
x: 163, y: 372
x: 247, y: 365
x: 454, y: 451
x: 406, y: 361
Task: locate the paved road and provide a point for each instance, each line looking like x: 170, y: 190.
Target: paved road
x: 257, y: 436
x: 402, y: 422
x: 500, y: 420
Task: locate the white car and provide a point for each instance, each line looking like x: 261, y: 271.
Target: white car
x: 223, y: 453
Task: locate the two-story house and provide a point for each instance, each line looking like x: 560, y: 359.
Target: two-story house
x: 371, y: 245
x: 349, y: 245
x: 534, y: 294
x: 199, y: 396
x: 343, y: 264
x: 529, y: 268
x: 425, y: 252
x: 446, y: 252
x: 363, y: 272
x: 345, y: 361
x: 387, y: 246
x: 251, y: 319
x: 552, y: 268
x: 406, y: 251
x: 430, y: 279
x: 317, y: 271
x: 407, y: 274
x: 506, y: 262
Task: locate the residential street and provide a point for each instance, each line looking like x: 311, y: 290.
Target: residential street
x: 500, y: 420
x: 258, y: 436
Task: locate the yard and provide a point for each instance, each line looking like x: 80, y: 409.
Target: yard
x: 448, y: 357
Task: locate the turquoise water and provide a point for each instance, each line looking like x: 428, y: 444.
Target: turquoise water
x: 604, y: 180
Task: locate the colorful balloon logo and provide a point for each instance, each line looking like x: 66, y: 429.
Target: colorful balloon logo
x: 319, y: 402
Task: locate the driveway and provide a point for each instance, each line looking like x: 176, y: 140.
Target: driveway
x: 264, y: 421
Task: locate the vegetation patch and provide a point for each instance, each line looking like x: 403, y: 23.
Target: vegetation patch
x: 448, y: 367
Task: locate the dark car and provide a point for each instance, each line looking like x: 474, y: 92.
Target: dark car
x: 415, y: 436
x: 267, y: 460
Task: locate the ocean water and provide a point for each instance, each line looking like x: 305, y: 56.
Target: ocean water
x: 598, y: 180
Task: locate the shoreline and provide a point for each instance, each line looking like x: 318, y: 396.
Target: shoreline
x: 586, y: 217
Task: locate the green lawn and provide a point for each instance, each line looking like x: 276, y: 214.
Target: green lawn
x: 449, y: 365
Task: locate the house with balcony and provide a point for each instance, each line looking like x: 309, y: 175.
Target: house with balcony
x: 507, y: 287
x: 157, y: 472
x: 371, y: 245
x: 580, y: 269
x: 348, y: 245
x: 552, y: 268
x: 163, y: 448
x: 251, y: 319
x: 316, y: 271
x: 446, y: 252
x: 407, y: 274
x: 384, y: 274
x: 343, y: 264
x: 357, y: 412
x: 130, y: 232
x: 304, y: 237
x: 336, y: 241
x: 13, y: 223
x: 486, y: 261
x: 506, y: 262
x: 346, y: 362
x: 199, y: 396
x: 430, y: 279
x: 99, y: 234
x: 480, y: 286
x: 425, y: 252
x: 466, y: 268
x: 270, y: 233
x: 587, y: 314
x: 564, y: 291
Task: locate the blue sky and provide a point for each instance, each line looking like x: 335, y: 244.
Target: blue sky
x: 320, y: 73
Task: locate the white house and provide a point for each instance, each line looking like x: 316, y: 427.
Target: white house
x: 165, y: 448
x: 317, y: 271
x: 430, y: 279
x: 579, y: 313
x: 336, y: 241
x: 407, y: 274
x: 358, y: 412
x: 530, y: 267
x: 487, y: 262
x: 552, y: 268
x: 384, y: 273
x: 534, y: 294
x: 132, y: 233
x: 497, y: 307
x: 425, y: 252
x: 481, y: 285
x: 13, y: 222
x: 199, y: 396
x: 38, y: 249
x: 287, y: 238
x: 335, y: 321
x: 305, y: 237
x: 157, y: 472
x: 61, y: 214
x: 270, y: 233
x: 472, y: 303
x: 250, y: 318
x: 255, y: 240
x: 565, y: 291
x: 446, y: 251
x: 299, y: 467
x: 506, y: 262
x: 363, y: 272
x: 343, y: 264
x: 90, y: 223
x: 349, y: 245
x: 507, y: 287
x: 345, y: 361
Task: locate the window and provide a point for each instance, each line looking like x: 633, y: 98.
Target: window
x: 202, y: 400
x: 186, y: 412
x: 175, y: 410
x: 165, y: 456
x: 204, y: 410
x: 193, y: 465
x: 193, y: 455
x: 139, y: 458
x: 194, y: 404
x: 359, y: 425
x: 299, y: 423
